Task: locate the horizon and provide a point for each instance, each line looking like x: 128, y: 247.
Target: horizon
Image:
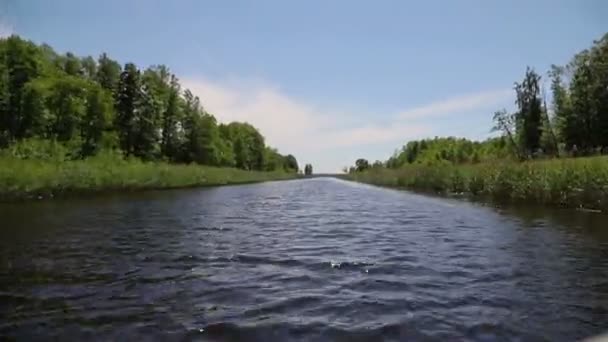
x: 261, y: 64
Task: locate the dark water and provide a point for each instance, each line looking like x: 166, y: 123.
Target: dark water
x: 308, y: 260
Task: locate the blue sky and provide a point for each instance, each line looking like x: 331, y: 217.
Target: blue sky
x: 329, y: 81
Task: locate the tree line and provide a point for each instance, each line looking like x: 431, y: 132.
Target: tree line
x: 90, y: 105
x: 574, y: 123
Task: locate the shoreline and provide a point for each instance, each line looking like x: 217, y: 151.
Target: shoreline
x: 476, y: 199
x: 580, y: 183
x: 28, y: 180
x: 86, y: 193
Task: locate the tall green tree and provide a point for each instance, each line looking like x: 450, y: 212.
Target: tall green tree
x: 308, y: 169
x: 20, y: 62
x: 35, y: 107
x: 66, y: 103
x: 529, y: 114
x: 273, y: 160
x: 72, y: 65
x: 361, y: 164
x: 89, y: 68
x: 108, y: 73
x: 128, y: 100
x: 291, y: 163
x: 97, y: 120
x: 200, y: 132
x: 170, y: 140
x: 146, y: 128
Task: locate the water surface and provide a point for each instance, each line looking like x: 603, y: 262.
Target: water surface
x: 311, y: 260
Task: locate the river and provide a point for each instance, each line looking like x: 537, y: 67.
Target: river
x: 311, y: 260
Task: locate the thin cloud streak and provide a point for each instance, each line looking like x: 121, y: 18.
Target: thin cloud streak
x: 457, y: 104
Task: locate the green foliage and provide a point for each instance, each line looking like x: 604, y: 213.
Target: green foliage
x: 170, y: 141
x: 89, y: 68
x: 529, y: 114
x: 450, y: 149
x: 97, y: 121
x: 361, y: 165
x: 128, y: 100
x: 291, y: 164
x: 580, y: 100
x: 274, y: 160
x: 108, y: 73
x: 43, y: 150
x: 92, y: 107
x: 20, y: 63
x: 66, y: 102
x: 71, y: 65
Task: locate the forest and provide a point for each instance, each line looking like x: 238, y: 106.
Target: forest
x: 546, y: 150
x: 79, y: 107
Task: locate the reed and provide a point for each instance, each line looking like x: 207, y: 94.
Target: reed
x: 35, y: 178
x: 570, y: 182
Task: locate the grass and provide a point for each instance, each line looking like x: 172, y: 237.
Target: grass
x: 35, y: 178
x: 570, y: 182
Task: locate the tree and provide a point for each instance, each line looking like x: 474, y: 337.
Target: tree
x: 291, y: 164
x: 248, y: 143
x: 568, y: 125
x: 34, y: 105
x: 170, y: 140
x: 20, y: 63
x: 308, y: 169
x: 241, y: 156
x: 225, y: 152
x: 361, y: 165
x: 145, y: 127
x: 257, y: 150
x: 201, y: 133
x: 506, y: 123
x: 273, y: 160
x: 598, y: 63
x: 66, y: 103
x: 87, y: 105
x: 72, y: 65
x: 588, y: 98
x: 108, y: 73
x: 89, y: 68
x: 548, y: 139
x: 128, y: 99
x: 529, y: 114
x: 97, y: 120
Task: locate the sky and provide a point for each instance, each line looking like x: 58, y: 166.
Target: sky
x: 329, y: 81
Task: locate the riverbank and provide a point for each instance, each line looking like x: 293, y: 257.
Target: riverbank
x: 31, y: 178
x: 569, y: 182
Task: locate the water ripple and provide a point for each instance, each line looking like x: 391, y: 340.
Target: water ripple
x: 307, y: 260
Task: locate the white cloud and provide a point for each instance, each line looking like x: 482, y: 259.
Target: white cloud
x: 457, y: 104
x: 308, y: 131
x: 286, y: 123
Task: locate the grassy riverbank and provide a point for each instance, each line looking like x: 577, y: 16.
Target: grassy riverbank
x: 565, y: 182
x: 32, y: 178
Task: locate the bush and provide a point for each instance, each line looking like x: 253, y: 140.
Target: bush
x: 37, y: 149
